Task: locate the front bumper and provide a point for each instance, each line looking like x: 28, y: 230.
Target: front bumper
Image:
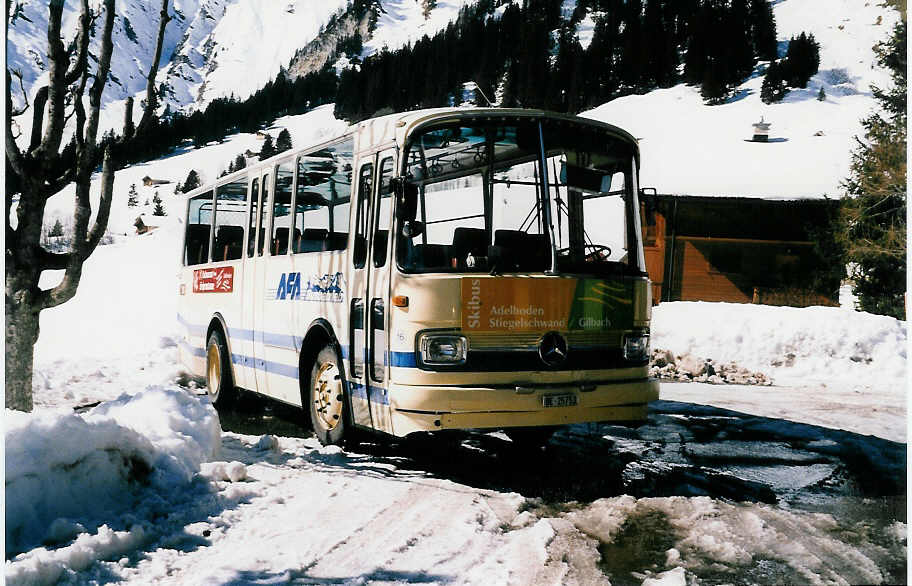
x: 432, y: 408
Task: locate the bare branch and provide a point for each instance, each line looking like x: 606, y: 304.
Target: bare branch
x: 57, y: 65
x: 82, y: 45
x: 13, y: 154
x: 104, y: 206
x: 54, y: 186
x: 53, y: 261
x: 67, y: 287
x: 18, y: 75
x: 85, y: 162
x: 41, y: 99
x: 151, y: 97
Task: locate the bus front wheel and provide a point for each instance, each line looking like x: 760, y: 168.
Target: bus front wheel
x: 219, y: 383
x: 327, y: 398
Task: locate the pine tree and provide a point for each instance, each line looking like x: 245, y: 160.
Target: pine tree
x: 763, y: 30
x: 267, y: 150
x: 156, y: 199
x: 283, y: 143
x: 872, y: 228
x: 191, y: 182
x: 802, y: 60
x: 159, y: 209
x: 821, y: 95
x: 773, y: 88
x: 132, y: 196
x: 57, y: 230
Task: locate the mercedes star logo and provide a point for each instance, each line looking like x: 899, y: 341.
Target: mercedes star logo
x: 552, y: 349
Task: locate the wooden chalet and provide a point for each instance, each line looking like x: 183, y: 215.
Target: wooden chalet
x: 734, y: 249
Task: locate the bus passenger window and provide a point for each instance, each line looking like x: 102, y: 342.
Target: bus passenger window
x: 252, y: 230
x: 230, y: 212
x: 199, y: 227
x: 281, y: 210
x: 322, y: 200
x: 365, y: 184
x: 382, y: 222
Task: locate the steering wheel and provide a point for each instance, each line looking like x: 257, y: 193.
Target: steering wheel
x: 596, y: 252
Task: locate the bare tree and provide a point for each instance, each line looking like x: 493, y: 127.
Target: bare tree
x: 41, y: 170
x: 151, y: 96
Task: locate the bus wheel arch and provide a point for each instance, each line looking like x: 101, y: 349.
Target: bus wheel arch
x: 324, y: 386
x: 220, y: 377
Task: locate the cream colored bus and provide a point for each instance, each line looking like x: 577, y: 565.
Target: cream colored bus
x: 432, y: 270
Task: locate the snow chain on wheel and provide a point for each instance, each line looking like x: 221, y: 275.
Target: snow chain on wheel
x: 326, y: 396
x: 219, y: 382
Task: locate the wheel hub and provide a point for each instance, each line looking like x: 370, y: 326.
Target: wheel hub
x: 213, y: 369
x: 327, y: 395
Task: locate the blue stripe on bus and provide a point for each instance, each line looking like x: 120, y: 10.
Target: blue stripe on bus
x: 403, y: 359
x: 357, y: 389
x: 285, y: 341
x: 194, y: 350
x: 360, y: 391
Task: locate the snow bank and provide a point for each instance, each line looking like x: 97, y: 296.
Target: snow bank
x: 65, y: 470
x: 713, y: 537
x: 789, y: 343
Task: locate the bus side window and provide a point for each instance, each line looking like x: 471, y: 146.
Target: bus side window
x: 254, y: 207
x: 281, y: 210
x: 322, y: 199
x: 261, y: 237
x: 382, y: 221
x: 199, y: 228
x: 230, y: 211
x: 365, y: 183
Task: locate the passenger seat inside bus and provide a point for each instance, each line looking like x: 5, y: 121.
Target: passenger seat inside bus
x: 280, y: 240
x: 229, y: 242
x: 312, y: 240
x: 467, y: 241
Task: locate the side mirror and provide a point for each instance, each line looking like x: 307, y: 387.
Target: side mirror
x: 406, y: 198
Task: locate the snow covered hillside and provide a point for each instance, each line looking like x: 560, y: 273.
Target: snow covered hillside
x: 690, y: 148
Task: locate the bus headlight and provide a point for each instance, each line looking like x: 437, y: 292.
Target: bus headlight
x: 442, y: 348
x: 636, y: 347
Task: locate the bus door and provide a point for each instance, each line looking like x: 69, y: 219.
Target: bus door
x: 242, y: 339
x: 255, y: 283
x: 369, y: 282
x: 377, y: 309
x: 281, y: 290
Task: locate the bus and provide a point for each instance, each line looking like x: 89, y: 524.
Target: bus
x: 431, y: 270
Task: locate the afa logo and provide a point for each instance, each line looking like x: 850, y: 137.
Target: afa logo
x: 324, y: 288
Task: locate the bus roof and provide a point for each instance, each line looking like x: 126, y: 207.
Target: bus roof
x: 376, y: 132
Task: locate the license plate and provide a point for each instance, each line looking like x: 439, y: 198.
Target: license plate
x: 564, y: 400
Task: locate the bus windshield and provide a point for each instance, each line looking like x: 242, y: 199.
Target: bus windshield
x: 486, y: 193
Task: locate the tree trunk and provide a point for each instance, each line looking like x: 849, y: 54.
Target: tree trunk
x: 21, y: 335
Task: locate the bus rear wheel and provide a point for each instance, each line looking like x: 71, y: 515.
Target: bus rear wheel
x: 219, y: 383
x: 326, y: 395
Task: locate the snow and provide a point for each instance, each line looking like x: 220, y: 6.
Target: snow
x: 64, y: 471
x: 794, y: 345
x: 691, y: 148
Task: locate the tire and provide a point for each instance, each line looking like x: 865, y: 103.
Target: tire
x: 530, y: 437
x: 326, y: 394
x: 219, y: 381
